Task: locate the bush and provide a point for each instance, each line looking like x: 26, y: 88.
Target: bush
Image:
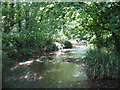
x: 20, y: 44
x: 102, y: 64
x: 6, y: 61
x: 51, y: 47
x: 67, y: 44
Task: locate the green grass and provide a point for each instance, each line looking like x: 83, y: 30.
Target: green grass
x: 102, y: 63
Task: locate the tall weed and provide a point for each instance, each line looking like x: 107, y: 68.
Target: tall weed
x: 102, y: 63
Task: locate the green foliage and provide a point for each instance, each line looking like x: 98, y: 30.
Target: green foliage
x: 67, y: 44
x: 102, y: 63
x: 6, y: 61
x: 30, y: 27
x: 51, y: 47
x: 26, y: 44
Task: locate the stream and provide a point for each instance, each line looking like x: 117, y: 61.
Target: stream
x: 58, y: 69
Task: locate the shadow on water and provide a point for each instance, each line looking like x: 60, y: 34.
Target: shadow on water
x: 52, y: 70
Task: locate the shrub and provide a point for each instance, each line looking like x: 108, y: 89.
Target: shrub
x: 51, y: 47
x: 67, y: 44
x: 102, y: 63
x: 6, y: 61
x: 21, y: 44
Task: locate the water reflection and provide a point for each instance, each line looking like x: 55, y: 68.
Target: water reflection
x: 49, y: 71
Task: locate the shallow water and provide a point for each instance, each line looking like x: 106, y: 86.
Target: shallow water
x: 50, y: 70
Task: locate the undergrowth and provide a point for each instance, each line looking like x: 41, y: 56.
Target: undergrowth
x: 102, y: 63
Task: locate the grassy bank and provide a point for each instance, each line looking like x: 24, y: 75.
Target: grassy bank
x: 102, y: 64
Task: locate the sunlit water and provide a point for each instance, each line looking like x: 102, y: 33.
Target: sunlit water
x: 50, y: 71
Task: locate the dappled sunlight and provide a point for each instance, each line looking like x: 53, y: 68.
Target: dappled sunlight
x: 31, y: 76
x: 81, y: 46
x: 59, y: 44
x: 68, y: 49
x: 77, y: 74
x: 26, y: 63
x: 14, y: 68
x: 62, y: 66
x: 53, y: 70
x: 62, y: 72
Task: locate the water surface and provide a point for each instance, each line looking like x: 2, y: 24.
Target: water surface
x: 51, y: 70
